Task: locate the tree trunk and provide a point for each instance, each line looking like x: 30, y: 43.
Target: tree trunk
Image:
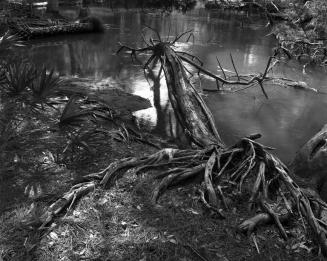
x: 246, y: 162
x: 190, y: 109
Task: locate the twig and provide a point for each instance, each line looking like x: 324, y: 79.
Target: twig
x: 154, y: 30
x: 221, y: 68
x: 265, y: 207
x: 181, y: 35
x: 208, y: 206
x: 254, y: 239
x: 231, y: 57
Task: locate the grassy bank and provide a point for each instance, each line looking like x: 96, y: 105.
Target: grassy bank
x: 122, y: 224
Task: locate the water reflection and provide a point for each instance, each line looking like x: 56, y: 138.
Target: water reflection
x: 286, y: 120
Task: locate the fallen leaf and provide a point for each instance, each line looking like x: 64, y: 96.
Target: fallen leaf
x: 54, y: 236
x: 76, y: 213
x: 124, y: 224
x: 172, y: 241
x: 193, y: 211
x: 102, y: 201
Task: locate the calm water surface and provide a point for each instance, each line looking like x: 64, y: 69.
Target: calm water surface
x: 287, y: 119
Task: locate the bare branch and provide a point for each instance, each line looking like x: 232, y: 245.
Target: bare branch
x: 156, y: 32
x: 221, y: 68
x: 231, y: 57
x: 180, y: 36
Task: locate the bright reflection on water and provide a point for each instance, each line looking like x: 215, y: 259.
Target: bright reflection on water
x: 286, y: 120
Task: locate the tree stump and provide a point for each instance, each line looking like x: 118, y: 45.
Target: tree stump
x: 310, y: 163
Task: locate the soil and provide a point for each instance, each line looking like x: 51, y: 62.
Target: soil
x: 120, y: 223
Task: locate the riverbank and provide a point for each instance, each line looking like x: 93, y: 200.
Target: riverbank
x: 50, y: 143
x: 300, y: 28
x: 122, y: 224
x: 51, y: 136
x: 304, y: 36
x: 50, y: 152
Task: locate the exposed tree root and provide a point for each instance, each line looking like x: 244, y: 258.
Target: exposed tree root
x: 247, y: 161
x: 245, y: 168
x: 66, y: 201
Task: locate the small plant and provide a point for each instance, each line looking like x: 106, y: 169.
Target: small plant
x: 7, y: 41
x: 18, y: 77
x: 85, y: 140
x: 73, y: 115
x: 45, y: 85
x: 8, y: 133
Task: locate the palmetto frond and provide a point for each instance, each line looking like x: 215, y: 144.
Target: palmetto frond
x: 86, y: 139
x: 45, y: 85
x: 73, y: 115
x: 18, y: 76
x: 8, y: 40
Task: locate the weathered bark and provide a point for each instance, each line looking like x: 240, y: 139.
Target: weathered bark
x: 28, y: 32
x: 310, y: 164
x: 66, y: 201
x: 213, y: 163
x: 309, y: 170
x: 190, y: 109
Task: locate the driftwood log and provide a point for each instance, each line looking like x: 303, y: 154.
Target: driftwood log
x: 29, y: 30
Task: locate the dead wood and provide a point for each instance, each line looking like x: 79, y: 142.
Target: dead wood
x: 264, y: 218
x: 309, y: 164
x: 28, y: 29
x: 210, y: 162
x: 66, y: 201
x: 251, y: 163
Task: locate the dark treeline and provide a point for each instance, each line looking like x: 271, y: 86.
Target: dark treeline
x: 168, y: 4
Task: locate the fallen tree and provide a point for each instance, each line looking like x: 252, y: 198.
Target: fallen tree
x: 20, y: 21
x: 247, y: 167
x: 28, y: 30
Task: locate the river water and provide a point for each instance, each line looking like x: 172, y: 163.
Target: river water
x: 286, y: 120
